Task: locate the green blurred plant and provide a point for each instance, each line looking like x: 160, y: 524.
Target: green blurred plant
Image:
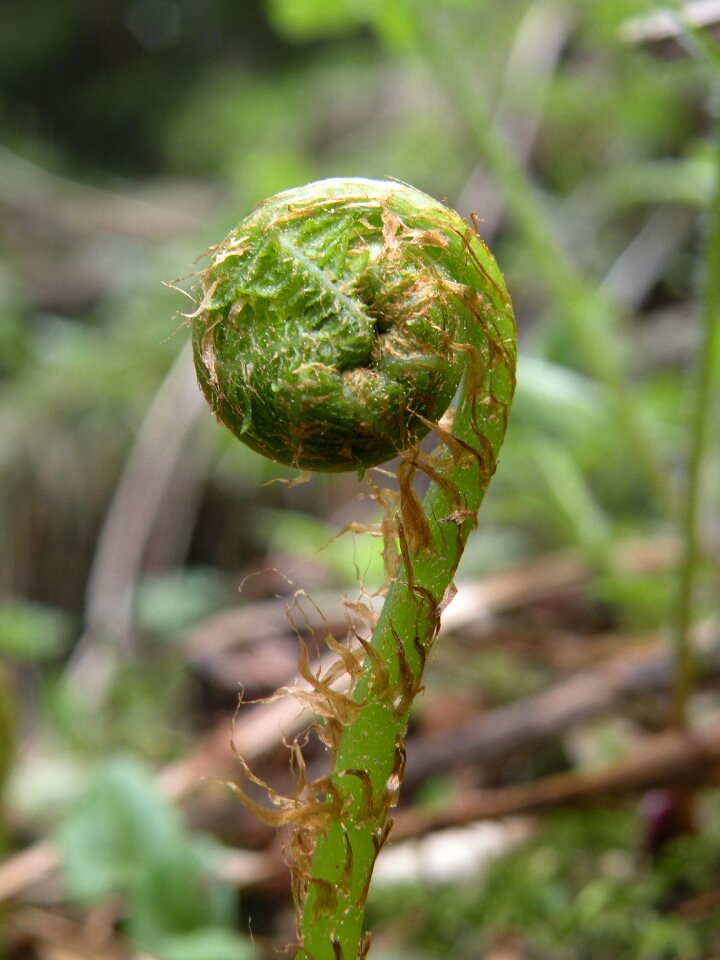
x: 580, y: 889
x: 122, y: 838
x: 620, y: 138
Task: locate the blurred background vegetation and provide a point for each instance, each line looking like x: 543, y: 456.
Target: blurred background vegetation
x: 578, y: 674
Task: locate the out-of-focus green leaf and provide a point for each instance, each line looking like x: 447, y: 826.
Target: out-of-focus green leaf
x: 303, y: 19
x: 576, y: 505
x: 308, y: 19
x: 643, y: 599
x: 169, y: 603
x: 173, y: 893
x: 350, y: 556
x: 687, y: 181
x: 118, y: 827
x: 206, y: 944
x: 557, y: 401
x: 13, y: 326
x: 7, y: 729
x: 32, y: 632
x: 123, y: 837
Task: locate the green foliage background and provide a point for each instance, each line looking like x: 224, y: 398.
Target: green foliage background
x: 135, y: 134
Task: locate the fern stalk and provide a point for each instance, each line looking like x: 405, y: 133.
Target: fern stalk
x: 333, y: 328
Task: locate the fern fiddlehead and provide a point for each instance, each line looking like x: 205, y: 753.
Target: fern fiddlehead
x: 333, y: 327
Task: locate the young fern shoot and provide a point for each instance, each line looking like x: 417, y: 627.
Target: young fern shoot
x: 333, y: 328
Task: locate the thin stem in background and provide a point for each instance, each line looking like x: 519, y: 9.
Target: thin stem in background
x: 591, y: 318
x: 699, y: 433
x: 150, y: 468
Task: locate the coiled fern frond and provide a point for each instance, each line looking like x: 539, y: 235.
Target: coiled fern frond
x: 333, y: 328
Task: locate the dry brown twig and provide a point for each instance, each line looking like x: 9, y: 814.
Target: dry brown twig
x: 675, y: 757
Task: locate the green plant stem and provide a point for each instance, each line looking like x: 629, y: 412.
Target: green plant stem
x: 335, y: 311
x: 368, y: 764
x: 699, y: 432
x: 591, y: 318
